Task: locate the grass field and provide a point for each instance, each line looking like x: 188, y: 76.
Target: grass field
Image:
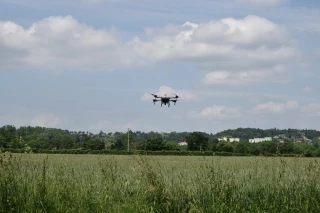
x: 104, y: 183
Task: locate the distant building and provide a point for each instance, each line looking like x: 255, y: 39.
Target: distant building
x: 223, y: 139
x: 183, y: 144
x: 234, y: 139
x: 258, y: 140
x: 229, y: 139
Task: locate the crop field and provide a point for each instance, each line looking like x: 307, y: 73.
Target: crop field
x: 106, y: 183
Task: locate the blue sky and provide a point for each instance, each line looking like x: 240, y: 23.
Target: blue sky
x: 90, y: 64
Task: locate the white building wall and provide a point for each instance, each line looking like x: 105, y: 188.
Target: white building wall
x: 223, y: 139
x: 258, y: 140
x: 183, y: 144
x: 234, y: 139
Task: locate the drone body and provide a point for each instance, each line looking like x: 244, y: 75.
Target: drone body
x: 164, y: 99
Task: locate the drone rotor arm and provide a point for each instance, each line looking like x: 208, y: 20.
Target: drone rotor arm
x: 154, y: 95
x: 174, y: 97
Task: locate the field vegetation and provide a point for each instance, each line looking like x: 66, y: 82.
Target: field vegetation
x: 137, y: 183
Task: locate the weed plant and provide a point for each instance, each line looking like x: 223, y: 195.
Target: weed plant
x: 98, y: 183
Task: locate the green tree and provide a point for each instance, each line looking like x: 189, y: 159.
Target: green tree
x: 224, y: 147
x: 268, y: 147
x: 213, y: 144
x: 169, y: 145
x: 124, y: 140
x: 308, y: 153
x: 301, y: 148
x: 95, y: 144
x: 197, y: 141
x: 286, y: 147
x: 253, y: 149
x: 155, y: 144
x: 16, y: 143
x: 2, y: 143
x: 109, y: 142
x: 8, y: 135
x: 142, y: 145
x: 51, y: 138
x: 317, y: 152
x: 242, y: 147
x: 67, y: 142
x: 118, y: 145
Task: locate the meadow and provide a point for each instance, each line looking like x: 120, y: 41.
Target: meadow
x: 134, y: 183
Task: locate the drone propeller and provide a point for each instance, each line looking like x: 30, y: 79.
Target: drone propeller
x: 154, y: 95
x: 176, y: 96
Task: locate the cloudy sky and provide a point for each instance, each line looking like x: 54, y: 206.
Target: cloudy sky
x: 90, y: 64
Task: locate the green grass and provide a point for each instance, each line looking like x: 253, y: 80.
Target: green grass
x: 104, y: 183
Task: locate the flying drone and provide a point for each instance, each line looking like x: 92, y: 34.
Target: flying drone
x: 164, y: 99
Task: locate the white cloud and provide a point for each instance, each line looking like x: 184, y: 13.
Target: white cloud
x: 91, y: 1
x: 263, y: 3
x: 312, y: 109
x: 62, y: 43
x: 13, y: 120
x: 307, y: 89
x: 272, y: 107
x: 101, y: 126
x: 46, y: 120
x: 253, y: 40
x: 98, y: 1
x: 166, y: 90
x: 131, y: 125
x: 280, y: 110
x: 251, y: 31
x: 20, y: 115
x: 59, y: 43
x: 305, y: 19
x: 259, y: 52
x: 106, y: 126
x: 277, y: 74
x: 217, y: 112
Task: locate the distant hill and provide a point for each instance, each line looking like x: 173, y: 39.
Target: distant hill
x: 41, y: 135
x: 299, y: 135
x: 248, y: 133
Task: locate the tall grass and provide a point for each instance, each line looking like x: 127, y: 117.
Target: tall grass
x: 96, y: 183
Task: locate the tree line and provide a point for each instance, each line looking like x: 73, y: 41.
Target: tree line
x: 41, y: 138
